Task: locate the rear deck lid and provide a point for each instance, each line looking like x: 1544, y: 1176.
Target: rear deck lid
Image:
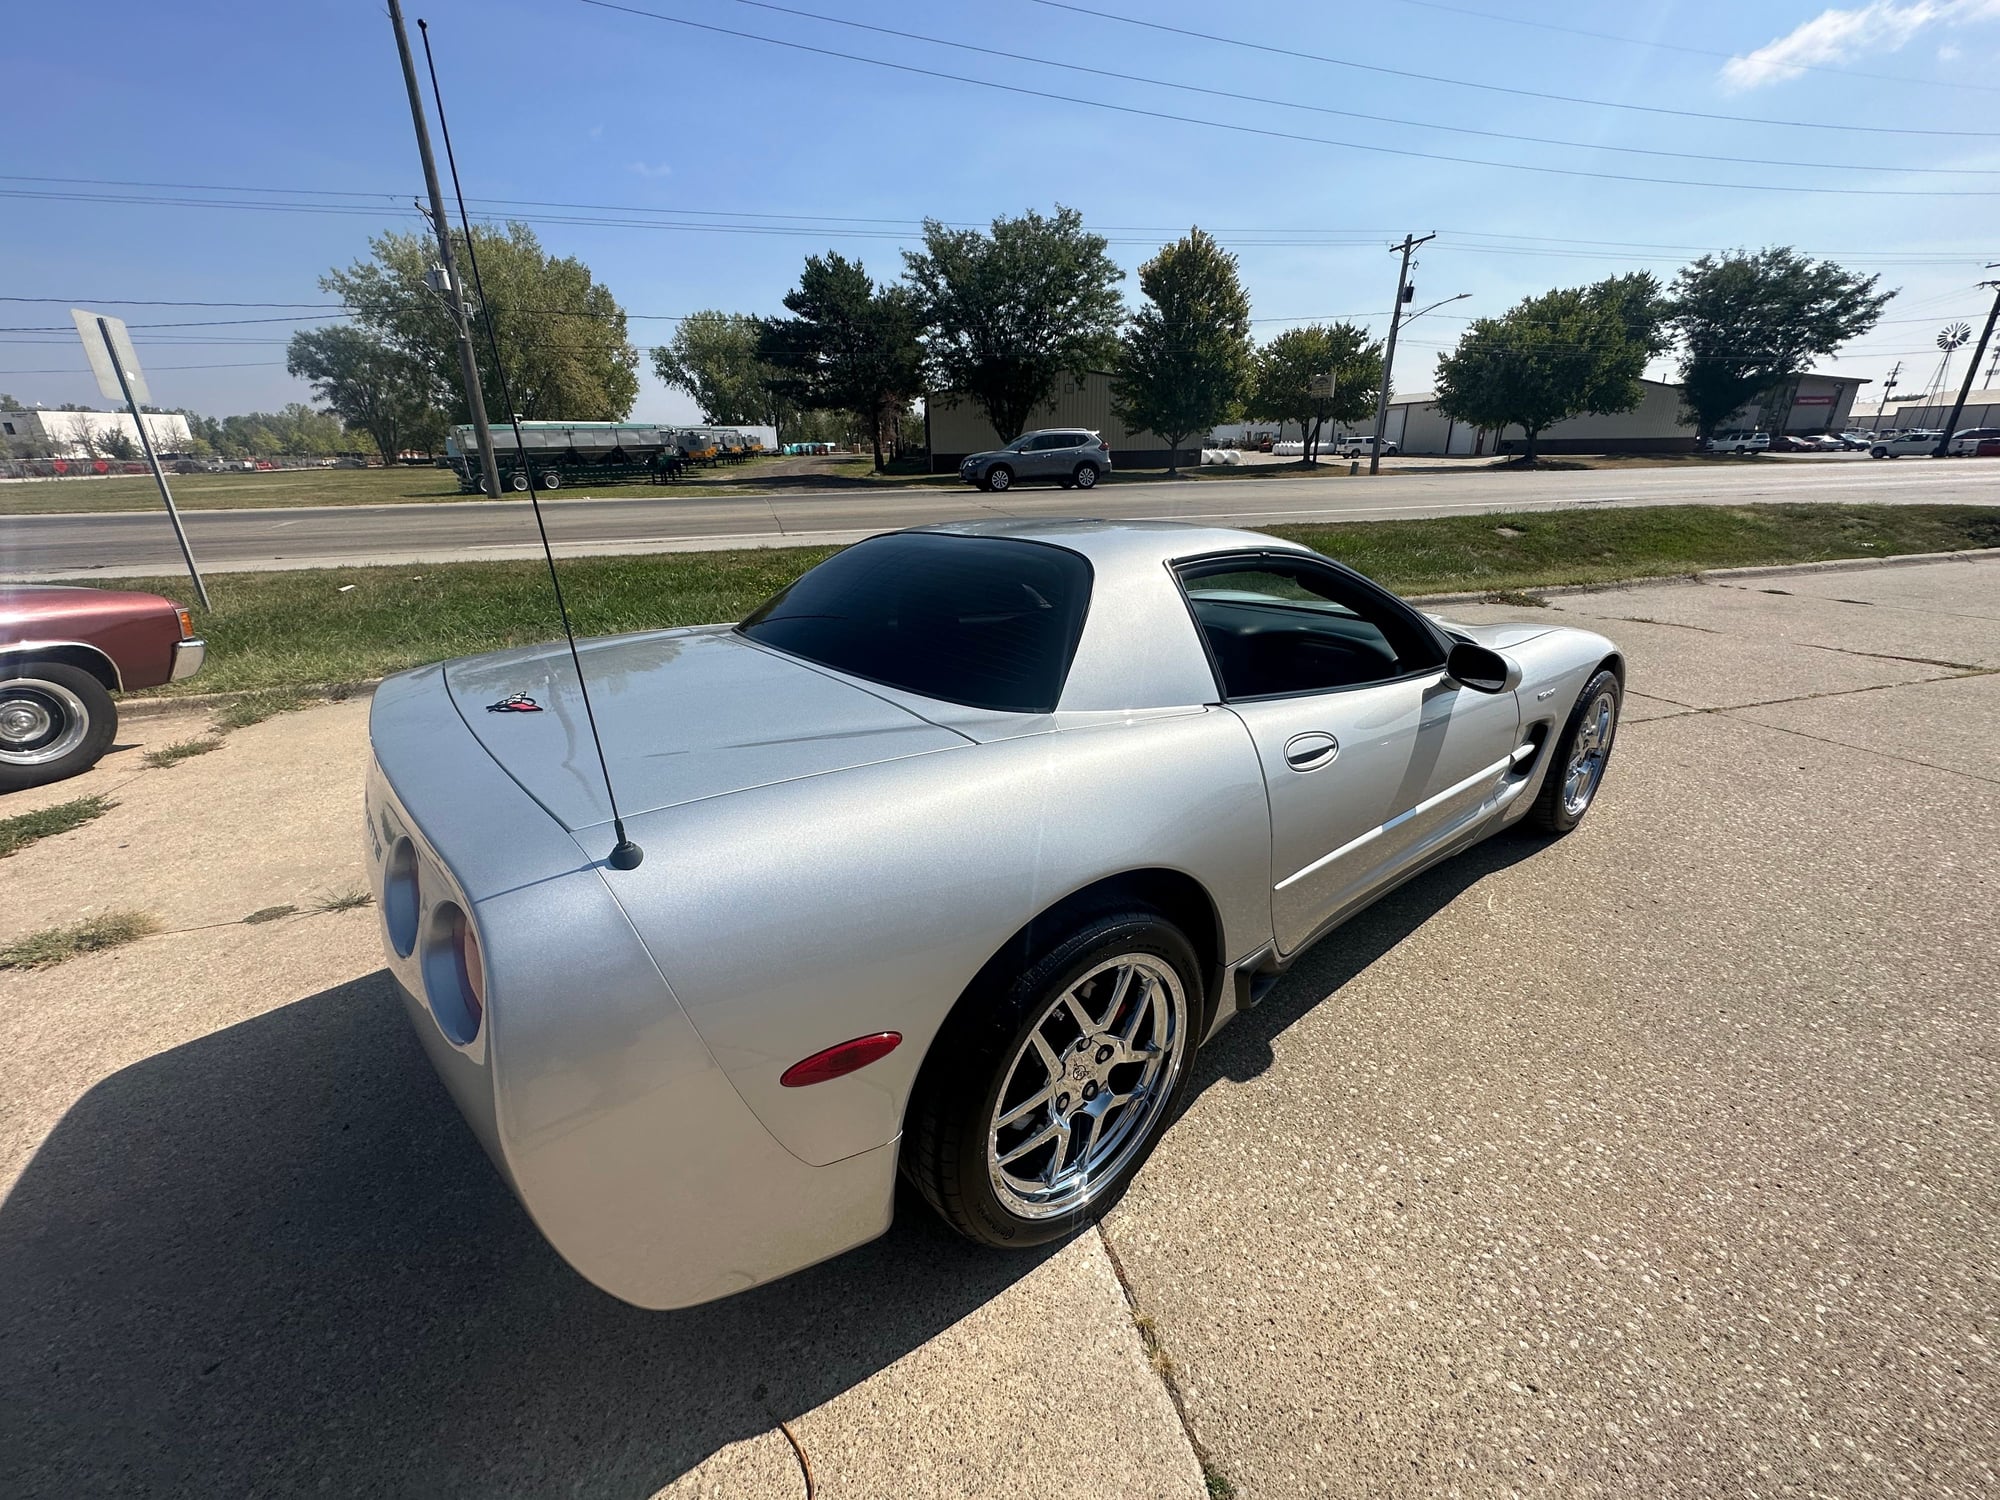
x: 684, y: 714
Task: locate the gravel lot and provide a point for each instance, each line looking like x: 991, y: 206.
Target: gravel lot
x: 1658, y: 1161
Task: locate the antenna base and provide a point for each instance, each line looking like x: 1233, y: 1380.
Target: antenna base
x: 626, y: 855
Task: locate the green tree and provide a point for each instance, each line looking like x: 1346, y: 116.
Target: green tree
x: 713, y: 357
x: 562, y: 334
x: 1289, y: 380
x: 1006, y: 314
x: 367, y: 384
x: 117, y: 443
x: 848, y: 345
x: 1750, y: 325
x: 1563, y: 354
x: 1184, y: 363
x: 8, y: 403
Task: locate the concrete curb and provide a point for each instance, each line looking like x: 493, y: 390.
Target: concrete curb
x: 140, y: 708
x: 1725, y: 575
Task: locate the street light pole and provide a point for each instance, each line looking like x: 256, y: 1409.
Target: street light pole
x: 475, y: 396
x: 1410, y: 242
x: 1971, y: 370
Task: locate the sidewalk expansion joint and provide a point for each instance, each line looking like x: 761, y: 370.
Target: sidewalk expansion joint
x: 1689, y: 709
x: 1162, y: 1365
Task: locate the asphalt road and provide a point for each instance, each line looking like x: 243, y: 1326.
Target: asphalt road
x: 1658, y: 1160
x: 133, y: 543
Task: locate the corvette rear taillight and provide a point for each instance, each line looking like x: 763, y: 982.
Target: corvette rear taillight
x: 454, y: 974
x: 840, y: 1060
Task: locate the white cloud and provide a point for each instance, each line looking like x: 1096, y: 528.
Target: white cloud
x: 649, y: 169
x: 1950, y: 52
x: 1849, y: 37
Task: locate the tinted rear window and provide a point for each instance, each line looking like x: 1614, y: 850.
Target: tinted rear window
x: 982, y: 621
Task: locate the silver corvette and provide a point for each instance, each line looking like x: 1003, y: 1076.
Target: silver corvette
x: 954, y: 852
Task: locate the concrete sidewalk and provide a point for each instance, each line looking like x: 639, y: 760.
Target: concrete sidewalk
x: 1659, y: 1160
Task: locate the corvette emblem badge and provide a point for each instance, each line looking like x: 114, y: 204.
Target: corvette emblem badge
x: 520, y: 703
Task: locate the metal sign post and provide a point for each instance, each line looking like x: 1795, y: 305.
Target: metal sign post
x: 116, y: 365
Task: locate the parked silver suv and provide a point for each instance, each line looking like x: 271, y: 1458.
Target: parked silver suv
x: 1068, y: 455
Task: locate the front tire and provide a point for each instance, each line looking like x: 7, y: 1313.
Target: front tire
x: 56, y: 720
x: 1878, y: 452
x: 1582, y: 751
x: 1000, y: 477
x: 1050, y: 1084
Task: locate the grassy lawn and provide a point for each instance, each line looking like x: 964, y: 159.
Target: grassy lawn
x: 280, y: 630
x: 409, y: 486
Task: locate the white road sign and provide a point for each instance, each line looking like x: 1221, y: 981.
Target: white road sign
x: 95, y: 345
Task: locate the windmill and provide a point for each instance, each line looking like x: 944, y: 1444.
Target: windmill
x: 1951, y: 338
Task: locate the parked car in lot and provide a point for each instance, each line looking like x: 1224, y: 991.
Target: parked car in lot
x: 1362, y: 445
x: 1740, y: 440
x: 1070, y: 456
x: 1965, y: 442
x: 1913, y: 441
x: 954, y: 852
x: 63, y: 653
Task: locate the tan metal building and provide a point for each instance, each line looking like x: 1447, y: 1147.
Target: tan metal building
x: 1823, y: 403
x: 955, y: 426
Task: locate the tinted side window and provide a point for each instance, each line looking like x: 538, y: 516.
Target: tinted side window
x: 1276, y: 626
x: 982, y: 621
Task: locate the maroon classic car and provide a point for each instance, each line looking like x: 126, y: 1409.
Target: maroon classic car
x: 63, y: 653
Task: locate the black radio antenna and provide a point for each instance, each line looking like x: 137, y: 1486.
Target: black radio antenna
x: 625, y: 855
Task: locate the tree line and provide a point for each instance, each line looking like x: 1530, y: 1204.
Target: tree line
x: 999, y: 316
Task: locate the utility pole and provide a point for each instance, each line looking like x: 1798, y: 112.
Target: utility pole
x: 475, y: 397
x: 1943, y: 448
x: 1410, y: 242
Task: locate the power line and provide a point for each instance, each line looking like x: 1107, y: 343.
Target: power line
x: 1280, y: 135
x: 1640, y: 41
x: 1350, y: 114
x: 1497, y: 88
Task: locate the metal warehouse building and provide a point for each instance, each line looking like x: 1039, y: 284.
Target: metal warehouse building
x: 1823, y: 403
x: 955, y: 426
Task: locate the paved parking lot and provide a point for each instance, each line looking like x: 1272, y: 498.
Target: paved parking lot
x: 1656, y: 1161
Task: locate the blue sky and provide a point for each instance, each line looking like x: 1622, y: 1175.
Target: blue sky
x: 712, y: 162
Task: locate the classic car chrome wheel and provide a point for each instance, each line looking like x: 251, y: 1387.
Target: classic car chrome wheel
x: 1581, y: 751
x: 55, y: 720
x: 1093, y: 1074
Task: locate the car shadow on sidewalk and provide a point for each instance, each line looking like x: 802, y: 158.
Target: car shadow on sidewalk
x: 275, y: 1260
x: 1242, y: 1050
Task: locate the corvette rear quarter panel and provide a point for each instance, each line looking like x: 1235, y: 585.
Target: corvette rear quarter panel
x: 586, y: 1084
x: 795, y: 916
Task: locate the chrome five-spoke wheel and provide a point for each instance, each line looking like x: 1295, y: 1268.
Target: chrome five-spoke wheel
x: 1582, y: 750
x: 1086, y: 1085
x: 1587, y: 755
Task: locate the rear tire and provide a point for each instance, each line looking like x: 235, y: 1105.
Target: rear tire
x: 1015, y: 1047
x: 1582, y: 751
x: 552, y: 480
x: 56, y: 721
x: 519, y: 481
x: 1086, y: 476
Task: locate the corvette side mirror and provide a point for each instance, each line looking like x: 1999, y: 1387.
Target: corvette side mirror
x: 1481, y: 670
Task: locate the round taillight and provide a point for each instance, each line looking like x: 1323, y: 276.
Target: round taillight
x: 401, y: 898
x: 454, y: 974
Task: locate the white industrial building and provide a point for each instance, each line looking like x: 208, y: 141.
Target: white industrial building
x: 1982, y: 409
x: 86, y: 434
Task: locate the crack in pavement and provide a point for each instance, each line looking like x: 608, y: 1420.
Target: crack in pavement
x: 1158, y: 1361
